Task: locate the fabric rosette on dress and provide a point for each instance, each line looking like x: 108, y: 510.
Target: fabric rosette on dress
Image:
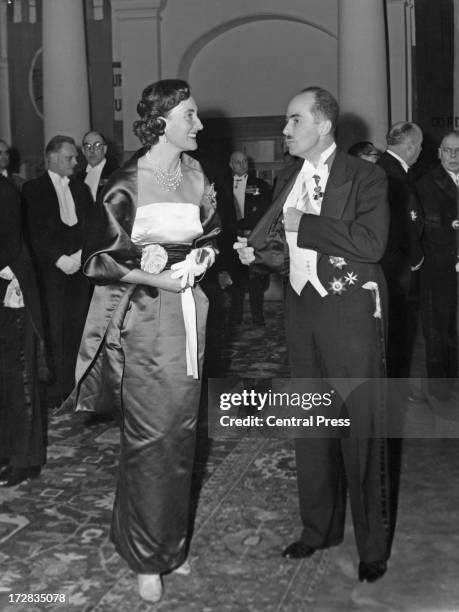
x: 210, y: 195
x: 154, y: 258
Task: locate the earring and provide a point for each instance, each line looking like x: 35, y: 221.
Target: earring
x: 165, y: 139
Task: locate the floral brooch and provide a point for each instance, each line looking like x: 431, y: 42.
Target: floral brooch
x: 338, y: 285
x: 337, y: 262
x: 210, y: 195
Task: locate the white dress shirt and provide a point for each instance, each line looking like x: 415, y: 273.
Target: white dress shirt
x: 399, y: 159
x: 455, y: 177
x: 64, y: 195
x: 239, y: 187
x: 93, y: 174
x: 303, y: 262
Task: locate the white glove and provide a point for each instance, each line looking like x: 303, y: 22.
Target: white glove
x: 195, y: 263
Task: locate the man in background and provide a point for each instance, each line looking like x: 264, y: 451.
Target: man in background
x: 403, y: 255
x: 251, y: 199
x: 5, y: 160
x: 99, y: 167
x: 57, y: 208
x: 438, y: 193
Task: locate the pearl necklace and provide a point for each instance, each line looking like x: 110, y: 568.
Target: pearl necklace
x: 169, y: 181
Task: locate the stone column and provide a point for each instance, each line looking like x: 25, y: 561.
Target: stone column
x: 362, y: 74
x: 65, y: 76
x: 456, y: 66
x: 456, y: 127
x: 5, y: 119
x: 136, y: 28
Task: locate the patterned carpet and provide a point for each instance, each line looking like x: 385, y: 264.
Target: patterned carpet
x: 54, y: 530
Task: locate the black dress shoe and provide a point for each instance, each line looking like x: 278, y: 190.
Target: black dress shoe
x: 13, y: 476
x: 298, y: 550
x: 4, y: 466
x: 372, y: 571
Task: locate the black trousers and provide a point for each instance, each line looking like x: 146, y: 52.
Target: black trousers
x: 22, y: 418
x: 439, y: 323
x: 338, y: 337
x: 255, y: 285
x: 66, y: 299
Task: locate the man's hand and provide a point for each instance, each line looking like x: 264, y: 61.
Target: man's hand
x: 292, y: 217
x: 246, y: 253
x: 224, y: 279
x: 67, y: 264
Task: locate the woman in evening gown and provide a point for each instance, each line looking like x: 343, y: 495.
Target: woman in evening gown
x: 143, y: 346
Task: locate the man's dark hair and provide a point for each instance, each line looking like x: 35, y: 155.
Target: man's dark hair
x: 56, y: 143
x: 101, y: 136
x: 325, y: 105
x: 364, y: 147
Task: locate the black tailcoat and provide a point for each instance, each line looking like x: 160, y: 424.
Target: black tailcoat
x: 65, y: 297
x: 439, y: 198
x: 22, y: 423
x: 404, y: 251
x: 107, y: 171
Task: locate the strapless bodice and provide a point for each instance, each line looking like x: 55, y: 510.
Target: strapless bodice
x: 166, y: 222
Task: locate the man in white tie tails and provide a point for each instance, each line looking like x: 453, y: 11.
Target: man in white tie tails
x: 57, y: 208
x: 327, y: 229
x: 251, y: 199
x: 99, y: 167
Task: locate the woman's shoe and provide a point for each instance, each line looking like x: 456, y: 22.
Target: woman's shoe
x: 184, y: 569
x: 150, y: 587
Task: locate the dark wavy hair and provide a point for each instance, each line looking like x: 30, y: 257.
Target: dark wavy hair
x: 325, y: 105
x: 157, y: 100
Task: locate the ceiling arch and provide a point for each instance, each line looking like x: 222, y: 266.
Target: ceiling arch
x: 192, y: 50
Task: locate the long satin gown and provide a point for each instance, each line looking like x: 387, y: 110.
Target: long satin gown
x: 145, y: 349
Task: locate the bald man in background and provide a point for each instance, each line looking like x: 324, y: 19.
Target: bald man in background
x: 438, y: 193
x: 403, y: 256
